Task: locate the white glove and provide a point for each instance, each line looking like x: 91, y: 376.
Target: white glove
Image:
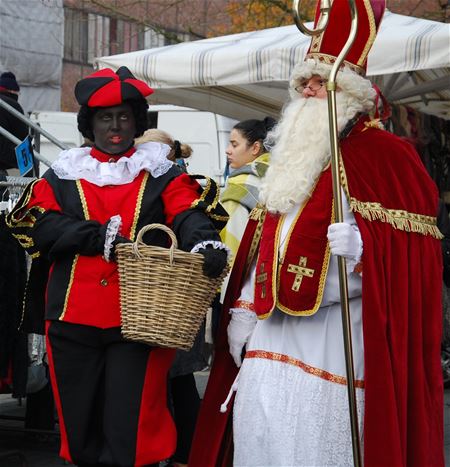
x: 345, y: 240
x: 239, y: 331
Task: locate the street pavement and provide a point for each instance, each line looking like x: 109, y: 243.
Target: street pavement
x: 41, y: 449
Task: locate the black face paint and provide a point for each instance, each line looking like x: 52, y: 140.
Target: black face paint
x: 114, y: 128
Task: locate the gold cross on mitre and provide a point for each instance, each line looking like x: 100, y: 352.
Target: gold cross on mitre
x: 260, y: 279
x: 300, y: 270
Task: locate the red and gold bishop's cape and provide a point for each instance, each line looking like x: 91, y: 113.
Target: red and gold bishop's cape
x: 395, y: 204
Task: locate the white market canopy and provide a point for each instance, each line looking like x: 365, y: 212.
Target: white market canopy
x: 246, y: 75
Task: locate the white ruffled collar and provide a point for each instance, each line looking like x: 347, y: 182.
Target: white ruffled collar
x: 77, y: 163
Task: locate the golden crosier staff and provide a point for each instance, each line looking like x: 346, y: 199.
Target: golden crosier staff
x: 325, y: 6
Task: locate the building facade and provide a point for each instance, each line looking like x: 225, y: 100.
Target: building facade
x: 55, y: 41
x: 98, y: 28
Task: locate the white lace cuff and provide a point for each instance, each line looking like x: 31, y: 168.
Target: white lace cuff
x: 214, y: 243
x: 111, y: 233
x: 243, y: 313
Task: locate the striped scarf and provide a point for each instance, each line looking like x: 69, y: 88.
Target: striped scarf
x: 240, y: 197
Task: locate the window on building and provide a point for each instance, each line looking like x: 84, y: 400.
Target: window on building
x: 126, y: 36
x: 99, y: 36
x: 75, y: 35
x: 153, y: 39
x: 181, y: 36
x: 90, y: 35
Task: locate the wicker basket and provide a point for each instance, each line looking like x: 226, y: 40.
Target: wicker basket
x: 164, y: 294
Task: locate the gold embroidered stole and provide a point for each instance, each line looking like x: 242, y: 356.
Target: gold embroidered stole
x: 294, y: 280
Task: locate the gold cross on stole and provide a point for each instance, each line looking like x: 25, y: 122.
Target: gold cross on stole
x: 300, y: 270
x: 260, y: 279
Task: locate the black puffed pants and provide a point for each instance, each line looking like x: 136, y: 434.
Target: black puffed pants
x: 108, y: 392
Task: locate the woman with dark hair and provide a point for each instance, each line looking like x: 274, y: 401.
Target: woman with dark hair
x: 110, y: 393
x: 248, y: 160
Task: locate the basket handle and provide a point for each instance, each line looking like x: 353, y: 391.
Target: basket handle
x: 146, y: 228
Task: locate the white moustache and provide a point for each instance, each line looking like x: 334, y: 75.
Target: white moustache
x: 300, y: 150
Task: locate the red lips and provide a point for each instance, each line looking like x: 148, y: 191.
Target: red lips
x: 116, y: 139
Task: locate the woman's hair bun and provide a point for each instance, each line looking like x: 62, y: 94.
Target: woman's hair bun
x: 185, y: 150
x: 269, y: 123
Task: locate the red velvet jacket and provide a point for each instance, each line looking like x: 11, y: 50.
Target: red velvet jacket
x: 65, y: 221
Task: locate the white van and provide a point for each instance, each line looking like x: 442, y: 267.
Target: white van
x: 207, y: 133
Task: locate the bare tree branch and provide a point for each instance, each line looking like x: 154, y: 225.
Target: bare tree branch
x: 119, y: 13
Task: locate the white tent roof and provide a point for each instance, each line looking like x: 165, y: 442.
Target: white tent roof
x: 245, y: 75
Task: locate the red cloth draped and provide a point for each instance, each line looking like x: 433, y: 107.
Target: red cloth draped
x: 402, y: 314
x: 402, y: 309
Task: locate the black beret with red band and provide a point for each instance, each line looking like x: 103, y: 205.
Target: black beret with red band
x: 106, y: 88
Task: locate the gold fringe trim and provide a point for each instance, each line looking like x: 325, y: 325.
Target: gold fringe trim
x: 399, y: 219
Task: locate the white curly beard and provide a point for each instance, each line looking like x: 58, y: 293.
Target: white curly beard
x: 300, y: 149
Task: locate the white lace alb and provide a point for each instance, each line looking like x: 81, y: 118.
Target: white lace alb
x: 286, y: 417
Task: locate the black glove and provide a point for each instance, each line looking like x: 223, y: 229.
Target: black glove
x: 215, y: 261
x: 117, y: 240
